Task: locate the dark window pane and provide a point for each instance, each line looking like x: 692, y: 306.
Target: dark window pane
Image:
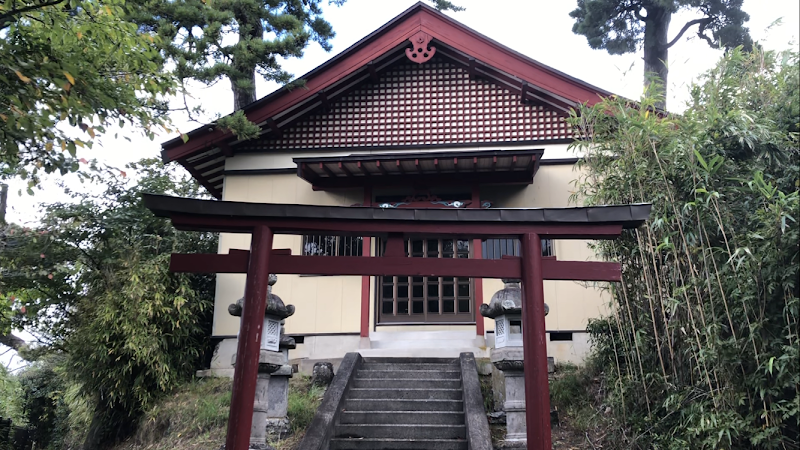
x: 433, y: 290
x: 402, y: 279
x: 547, y: 247
x: 416, y: 248
x: 463, y: 306
x: 402, y: 291
x: 402, y: 307
x: 433, y: 248
x: 463, y: 290
x: 447, y: 249
x: 448, y: 306
x: 388, y: 291
x: 416, y: 307
x: 433, y: 306
x: 417, y: 291
x: 417, y: 279
x: 387, y: 308
x: 448, y: 290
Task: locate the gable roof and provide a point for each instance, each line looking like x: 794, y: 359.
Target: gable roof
x: 205, y: 151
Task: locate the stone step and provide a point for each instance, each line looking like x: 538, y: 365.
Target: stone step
x: 410, y: 360
x: 378, y: 404
x: 403, y: 417
x: 400, y: 431
x: 405, y: 383
x: 420, y: 366
x: 451, y: 351
x: 398, y: 444
x: 402, y: 394
x: 410, y: 374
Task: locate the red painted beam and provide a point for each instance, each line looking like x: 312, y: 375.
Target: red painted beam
x: 477, y: 250
x: 346, y: 171
x: 469, y: 230
x: 240, y: 417
x: 235, y: 261
x: 381, y: 168
x: 581, y: 270
x: 327, y: 170
x: 284, y: 263
x: 392, y: 265
x: 365, y: 279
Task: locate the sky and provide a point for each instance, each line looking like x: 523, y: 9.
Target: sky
x: 539, y: 29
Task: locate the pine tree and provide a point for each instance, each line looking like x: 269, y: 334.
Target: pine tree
x: 623, y: 26
x: 238, y: 39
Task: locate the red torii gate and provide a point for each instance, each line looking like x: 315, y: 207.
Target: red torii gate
x: 263, y: 220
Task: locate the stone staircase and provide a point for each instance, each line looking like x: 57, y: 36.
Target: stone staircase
x: 403, y: 403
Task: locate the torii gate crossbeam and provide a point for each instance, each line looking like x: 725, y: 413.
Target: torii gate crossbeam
x: 529, y: 225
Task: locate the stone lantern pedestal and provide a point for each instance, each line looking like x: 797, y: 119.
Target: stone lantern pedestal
x: 272, y: 385
x: 509, y: 361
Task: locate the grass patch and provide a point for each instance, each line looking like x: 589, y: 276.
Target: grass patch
x: 487, y: 392
x: 304, y: 399
x: 199, y: 407
x: 195, y: 417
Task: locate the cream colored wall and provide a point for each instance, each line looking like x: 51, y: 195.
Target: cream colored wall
x: 323, y: 304
x: 332, y: 304
x: 571, y: 303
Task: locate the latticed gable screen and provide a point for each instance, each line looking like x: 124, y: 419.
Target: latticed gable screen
x: 421, y: 104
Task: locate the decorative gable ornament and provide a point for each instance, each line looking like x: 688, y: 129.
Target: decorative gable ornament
x: 421, y: 51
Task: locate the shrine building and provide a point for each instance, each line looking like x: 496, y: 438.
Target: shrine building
x: 422, y: 113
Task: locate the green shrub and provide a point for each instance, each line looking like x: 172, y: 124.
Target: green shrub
x: 701, y: 347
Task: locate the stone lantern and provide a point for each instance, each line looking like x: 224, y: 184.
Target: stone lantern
x: 272, y: 385
x: 507, y: 356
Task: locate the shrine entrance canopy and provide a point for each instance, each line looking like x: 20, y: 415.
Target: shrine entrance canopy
x: 263, y: 220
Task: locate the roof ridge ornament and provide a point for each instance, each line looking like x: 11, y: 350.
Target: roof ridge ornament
x: 422, y: 51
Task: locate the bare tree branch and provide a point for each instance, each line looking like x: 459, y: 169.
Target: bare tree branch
x: 12, y: 341
x: 10, y: 16
x: 691, y: 23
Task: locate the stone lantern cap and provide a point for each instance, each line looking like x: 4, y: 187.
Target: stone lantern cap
x: 504, y: 301
x: 275, y: 306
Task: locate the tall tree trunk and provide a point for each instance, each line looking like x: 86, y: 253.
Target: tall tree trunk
x: 655, y: 49
x: 243, y: 83
x: 3, y: 202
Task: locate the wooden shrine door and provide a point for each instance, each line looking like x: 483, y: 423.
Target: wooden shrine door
x: 417, y: 300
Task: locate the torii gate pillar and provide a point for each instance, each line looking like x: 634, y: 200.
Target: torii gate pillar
x: 249, y: 346
x: 537, y: 392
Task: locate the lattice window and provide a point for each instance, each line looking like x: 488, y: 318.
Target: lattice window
x: 321, y: 245
x: 497, y: 248
x: 422, y: 104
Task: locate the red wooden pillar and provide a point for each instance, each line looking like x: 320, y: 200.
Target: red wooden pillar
x: 245, y: 372
x: 365, y: 251
x: 477, y: 253
x: 534, y: 340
